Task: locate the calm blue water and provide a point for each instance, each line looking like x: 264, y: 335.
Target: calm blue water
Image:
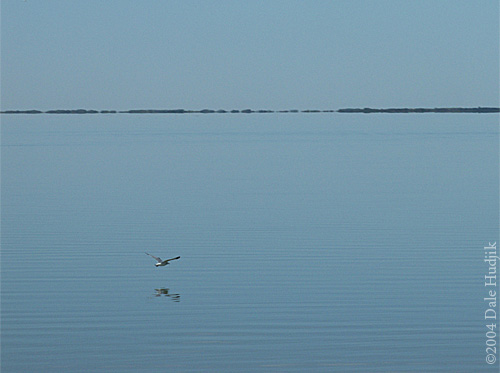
x: 323, y: 242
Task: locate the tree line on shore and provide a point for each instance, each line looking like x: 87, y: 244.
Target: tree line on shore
x: 250, y: 111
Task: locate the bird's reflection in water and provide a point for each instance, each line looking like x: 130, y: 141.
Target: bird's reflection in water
x: 165, y: 291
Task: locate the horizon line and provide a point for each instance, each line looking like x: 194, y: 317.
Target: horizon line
x: 365, y: 110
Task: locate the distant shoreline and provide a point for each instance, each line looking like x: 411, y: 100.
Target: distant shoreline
x: 480, y: 110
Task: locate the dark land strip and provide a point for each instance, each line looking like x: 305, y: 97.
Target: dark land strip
x: 250, y: 111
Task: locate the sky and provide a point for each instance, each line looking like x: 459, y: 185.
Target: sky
x: 128, y: 54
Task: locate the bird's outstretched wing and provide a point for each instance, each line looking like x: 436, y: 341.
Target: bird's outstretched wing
x: 157, y: 259
x: 177, y: 257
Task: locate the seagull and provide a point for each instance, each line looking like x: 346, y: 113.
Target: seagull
x: 162, y: 263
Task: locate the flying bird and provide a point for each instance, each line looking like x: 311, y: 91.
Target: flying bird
x: 162, y: 263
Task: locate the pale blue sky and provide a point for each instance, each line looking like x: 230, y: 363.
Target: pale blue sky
x: 124, y: 54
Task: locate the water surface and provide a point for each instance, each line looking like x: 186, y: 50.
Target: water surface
x: 322, y: 242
